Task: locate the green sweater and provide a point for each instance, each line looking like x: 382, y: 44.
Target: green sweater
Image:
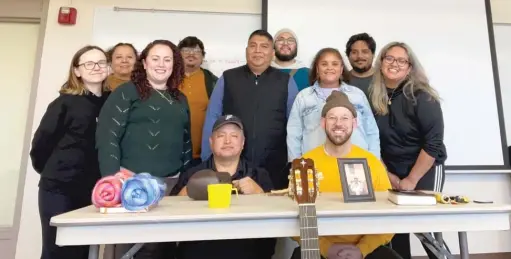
x: 149, y: 135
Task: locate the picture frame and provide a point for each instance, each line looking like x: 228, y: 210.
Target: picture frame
x: 356, y: 181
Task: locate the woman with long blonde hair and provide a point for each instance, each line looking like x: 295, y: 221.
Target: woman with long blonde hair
x: 63, y: 148
x: 410, y: 120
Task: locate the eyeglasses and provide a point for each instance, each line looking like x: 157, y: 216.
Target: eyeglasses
x: 90, y: 65
x: 401, y: 62
x: 286, y: 41
x: 191, y: 51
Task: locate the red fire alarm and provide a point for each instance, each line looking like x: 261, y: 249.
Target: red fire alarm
x: 67, y: 15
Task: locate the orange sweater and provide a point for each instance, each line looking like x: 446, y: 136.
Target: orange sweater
x: 332, y: 183
x: 113, y: 82
x: 194, y: 88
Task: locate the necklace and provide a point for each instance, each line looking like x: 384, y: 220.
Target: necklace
x: 164, y: 97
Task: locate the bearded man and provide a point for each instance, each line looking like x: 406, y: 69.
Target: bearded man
x: 339, y: 118
x: 360, y: 52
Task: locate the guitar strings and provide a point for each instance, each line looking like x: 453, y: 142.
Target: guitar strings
x: 310, y: 242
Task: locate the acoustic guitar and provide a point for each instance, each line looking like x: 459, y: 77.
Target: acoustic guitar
x: 304, y: 188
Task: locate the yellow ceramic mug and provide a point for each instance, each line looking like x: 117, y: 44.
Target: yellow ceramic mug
x: 219, y: 195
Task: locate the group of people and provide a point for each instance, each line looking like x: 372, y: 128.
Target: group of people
x: 159, y: 111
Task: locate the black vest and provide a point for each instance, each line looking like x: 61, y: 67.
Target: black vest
x: 261, y: 103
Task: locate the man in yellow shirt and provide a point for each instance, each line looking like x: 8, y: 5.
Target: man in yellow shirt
x: 339, y: 118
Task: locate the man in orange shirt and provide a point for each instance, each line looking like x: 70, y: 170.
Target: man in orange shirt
x: 339, y: 118
x: 197, y: 86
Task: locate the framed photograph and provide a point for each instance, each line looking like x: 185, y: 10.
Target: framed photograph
x: 357, y: 185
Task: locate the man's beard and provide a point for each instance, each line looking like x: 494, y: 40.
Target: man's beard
x: 338, y: 141
x: 288, y: 57
x: 361, y: 69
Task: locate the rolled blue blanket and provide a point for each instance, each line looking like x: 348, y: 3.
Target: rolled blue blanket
x: 141, y: 191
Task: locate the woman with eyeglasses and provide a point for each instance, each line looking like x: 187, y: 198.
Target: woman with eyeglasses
x: 63, y: 148
x: 409, y: 117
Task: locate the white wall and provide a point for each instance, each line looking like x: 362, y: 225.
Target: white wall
x: 16, y: 74
x: 501, y: 11
x: 56, y: 54
x: 60, y: 43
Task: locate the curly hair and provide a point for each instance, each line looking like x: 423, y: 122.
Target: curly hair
x: 139, y: 75
x: 371, y: 44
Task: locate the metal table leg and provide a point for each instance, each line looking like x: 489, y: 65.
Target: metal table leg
x: 462, y: 236
x: 133, y: 250
x: 440, y: 239
x: 94, y: 252
x: 432, y: 244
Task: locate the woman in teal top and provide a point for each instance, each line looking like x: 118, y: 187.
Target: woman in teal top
x: 144, y: 126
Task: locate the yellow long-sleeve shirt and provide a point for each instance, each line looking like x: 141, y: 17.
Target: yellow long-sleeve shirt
x: 331, y: 182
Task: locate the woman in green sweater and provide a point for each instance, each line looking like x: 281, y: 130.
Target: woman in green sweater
x: 144, y: 126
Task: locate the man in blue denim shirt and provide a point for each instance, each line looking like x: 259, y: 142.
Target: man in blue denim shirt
x: 304, y: 130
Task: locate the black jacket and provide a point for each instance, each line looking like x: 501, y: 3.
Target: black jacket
x: 245, y: 169
x: 409, y: 127
x: 226, y: 249
x: 209, y: 80
x: 63, y: 148
x: 261, y: 104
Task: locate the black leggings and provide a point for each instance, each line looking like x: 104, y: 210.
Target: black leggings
x: 52, y: 204
x: 433, y: 180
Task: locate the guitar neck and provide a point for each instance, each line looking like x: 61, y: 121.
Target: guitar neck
x: 309, y: 232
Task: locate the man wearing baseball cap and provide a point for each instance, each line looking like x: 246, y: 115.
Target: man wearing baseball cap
x: 338, y: 120
x: 226, y: 142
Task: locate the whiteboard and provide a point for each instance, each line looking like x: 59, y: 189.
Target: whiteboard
x: 224, y: 35
x: 451, y: 40
x: 503, y: 48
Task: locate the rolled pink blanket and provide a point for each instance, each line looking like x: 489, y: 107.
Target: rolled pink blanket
x: 107, y: 192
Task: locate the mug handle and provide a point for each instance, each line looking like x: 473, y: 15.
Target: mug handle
x: 235, y: 190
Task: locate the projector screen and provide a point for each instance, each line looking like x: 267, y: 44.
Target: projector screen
x: 453, y: 42
x: 139, y: 27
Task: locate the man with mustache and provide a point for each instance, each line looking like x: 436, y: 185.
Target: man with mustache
x: 262, y: 97
x: 197, y: 86
x: 226, y: 142
x: 339, y: 118
x: 286, y: 50
x: 360, y: 51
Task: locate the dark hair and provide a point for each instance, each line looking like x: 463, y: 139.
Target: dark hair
x: 73, y: 84
x: 371, y: 44
x: 313, y: 76
x: 262, y: 33
x: 139, y: 76
x: 110, y: 52
x: 191, y: 42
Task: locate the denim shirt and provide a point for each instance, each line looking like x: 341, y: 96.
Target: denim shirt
x: 304, y: 131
